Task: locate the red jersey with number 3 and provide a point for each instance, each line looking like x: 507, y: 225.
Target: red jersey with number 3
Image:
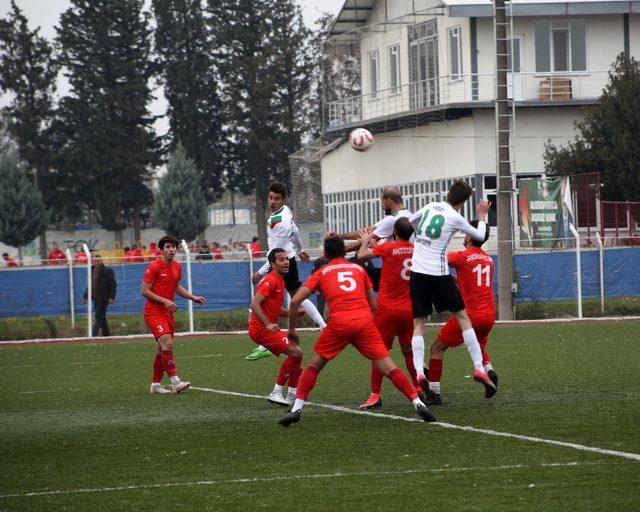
x: 344, y: 286
x: 273, y: 288
x: 164, y: 280
x: 396, y: 271
x: 474, y: 269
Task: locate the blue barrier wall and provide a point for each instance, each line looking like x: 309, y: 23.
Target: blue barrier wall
x: 541, y: 276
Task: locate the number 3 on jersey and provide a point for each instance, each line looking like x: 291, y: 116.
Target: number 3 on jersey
x: 432, y: 230
x: 350, y: 282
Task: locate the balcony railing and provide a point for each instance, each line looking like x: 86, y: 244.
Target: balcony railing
x: 466, y: 89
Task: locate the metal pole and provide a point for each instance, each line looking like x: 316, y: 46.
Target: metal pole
x: 187, y: 253
x: 85, y: 249
x: 578, y: 269
x: 71, y: 292
x: 503, y: 168
x: 601, y: 261
x: 251, y: 272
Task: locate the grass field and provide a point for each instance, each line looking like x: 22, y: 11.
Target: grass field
x: 79, y: 429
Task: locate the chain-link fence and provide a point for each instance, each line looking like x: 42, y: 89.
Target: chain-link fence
x: 592, y: 277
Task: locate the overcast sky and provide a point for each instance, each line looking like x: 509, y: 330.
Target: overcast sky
x: 45, y: 14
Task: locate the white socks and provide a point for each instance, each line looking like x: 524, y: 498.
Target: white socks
x: 488, y: 367
x: 278, y: 389
x: 313, y: 313
x: 175, y: 379
x: 416, y: 402
x: 471, y: 342
x: 297, y: 405
x: 435, y: 387
x: 261, y: 348
x: 417, y: 344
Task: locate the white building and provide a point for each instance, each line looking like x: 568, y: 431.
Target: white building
x: 428, y: 85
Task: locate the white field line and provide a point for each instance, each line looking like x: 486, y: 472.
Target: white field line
x: 466, y: 428
x: 200, y: 334
x: 293, y: 477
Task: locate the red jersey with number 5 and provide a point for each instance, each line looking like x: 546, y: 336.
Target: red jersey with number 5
x: 396, y: 271
x: 164, y: 280
x: 344, y: 286
x: 474, y: 269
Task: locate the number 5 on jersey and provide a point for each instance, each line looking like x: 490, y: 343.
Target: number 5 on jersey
x: 349, y: 282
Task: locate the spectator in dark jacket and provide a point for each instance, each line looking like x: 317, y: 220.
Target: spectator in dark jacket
x: 103, y: 293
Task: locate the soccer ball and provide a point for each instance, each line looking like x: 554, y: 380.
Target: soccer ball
x: 361, y: 139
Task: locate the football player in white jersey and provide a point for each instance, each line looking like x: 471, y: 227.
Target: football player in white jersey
x: 282, y: 233
x: 431, y: 285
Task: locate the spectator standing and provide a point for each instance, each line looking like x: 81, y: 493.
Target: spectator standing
x: 10, y: 261
x: 56, y: 256
x: 256, y: 250
x: 80, y: 258
x: 204, y: 254
x: 136, y: 254
x: 103, y: 293
x: 217, y: 252
x: 154, y: 252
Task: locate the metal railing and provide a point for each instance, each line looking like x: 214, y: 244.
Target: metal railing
x: 464, y: 89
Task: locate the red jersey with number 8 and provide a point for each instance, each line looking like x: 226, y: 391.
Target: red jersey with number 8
x: 396, y: 271
x: 344, y: 286
x: 474, y: 269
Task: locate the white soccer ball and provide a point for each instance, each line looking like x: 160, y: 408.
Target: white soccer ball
x: 361, y: 139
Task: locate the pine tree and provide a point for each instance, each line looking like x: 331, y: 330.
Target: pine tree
x: 260, y: 46
x: 189, y: 75
x: 105, y: 131
x: 180, y: 204
x: 28, y: 72
x: 23, y: 215
x: 607, y: 139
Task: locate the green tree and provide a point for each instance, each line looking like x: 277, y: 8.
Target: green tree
x: 107, y: 141
x: 28, y: 71
x: 189, y: 75
x: 180, y: 204
x: 260, y: 49
x: 23, y: 215
x: 607, y: 139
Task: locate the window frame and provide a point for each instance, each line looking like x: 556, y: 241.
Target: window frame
x: 455, y: 33
x: 397, y: 88
x: 374, y: 56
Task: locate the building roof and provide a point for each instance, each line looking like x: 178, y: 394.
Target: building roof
x: 484, y: 8
x: 353, y: 14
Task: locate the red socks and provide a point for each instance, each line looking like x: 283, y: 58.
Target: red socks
x: 376, y: 380
x: 435, y: 370
x: 158, y: 369
x: 168, y: 363
x: 408, y: 357
x: 290, y: 370
x: 401, y: 382
x: 307, y: 381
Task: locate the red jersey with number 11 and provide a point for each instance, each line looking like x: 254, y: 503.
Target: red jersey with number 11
x: 396, y: 271
x: 345, y: 286
x: 474, y: 268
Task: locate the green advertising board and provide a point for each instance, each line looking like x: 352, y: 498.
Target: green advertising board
x: 545, y: 212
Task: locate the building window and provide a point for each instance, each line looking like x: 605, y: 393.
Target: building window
x: 373, y: 74
x: 455, y: 53
x: 561, y: 46
x: 393, y: 58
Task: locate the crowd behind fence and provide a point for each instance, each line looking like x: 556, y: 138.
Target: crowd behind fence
x: 594, y: 277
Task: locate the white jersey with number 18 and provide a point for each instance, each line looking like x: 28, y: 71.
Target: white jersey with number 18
x: 434, y: 226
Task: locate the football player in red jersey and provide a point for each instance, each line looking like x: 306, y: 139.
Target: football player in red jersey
x: 474, y: 269
x: 349, y: 293
x: 393, y: 316
x: 266, y: 307
x: 161, y: 281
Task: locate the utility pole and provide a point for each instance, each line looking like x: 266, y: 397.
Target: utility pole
x: 504, y: 115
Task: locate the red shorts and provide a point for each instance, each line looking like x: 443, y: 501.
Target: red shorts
x: 277, y: 342
x: 451, y: 335
x: 160, y: 323
x: 393, y: 322
x: 360, y: 332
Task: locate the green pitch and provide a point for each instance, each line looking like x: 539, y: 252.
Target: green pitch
x: 79, y: 427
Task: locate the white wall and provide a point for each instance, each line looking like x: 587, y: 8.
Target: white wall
x: 449, y: 149
x: 634, y: 35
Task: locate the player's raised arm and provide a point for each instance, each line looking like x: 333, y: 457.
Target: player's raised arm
x: 480, y: 232
x: 364, y: 252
